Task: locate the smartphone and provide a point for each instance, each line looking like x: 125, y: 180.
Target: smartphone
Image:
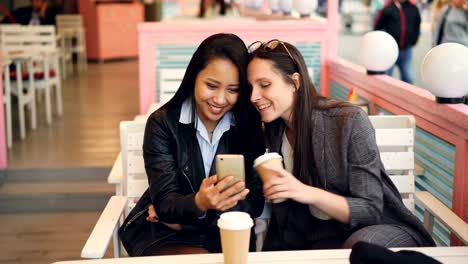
x: 230, y: 164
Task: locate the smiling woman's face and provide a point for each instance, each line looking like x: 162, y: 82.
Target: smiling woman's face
x: 216, y: 91
x: 271, y: 94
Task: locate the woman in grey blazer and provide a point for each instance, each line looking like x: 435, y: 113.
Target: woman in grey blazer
x: 336, y: 187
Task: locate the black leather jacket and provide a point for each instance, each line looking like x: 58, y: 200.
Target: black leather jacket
x: 174, y: 166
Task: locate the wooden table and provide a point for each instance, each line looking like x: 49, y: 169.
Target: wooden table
x: 449, y: 255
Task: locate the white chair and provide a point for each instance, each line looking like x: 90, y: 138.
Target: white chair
x: 26, y: 94
x: 39, y: 43
x: 65, y: 56
x: 7, y: 101
x: 394, y: 143
x: 70, y: 27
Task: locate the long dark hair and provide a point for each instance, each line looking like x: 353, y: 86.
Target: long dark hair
x: 248, y: 122
x: 306, y: 101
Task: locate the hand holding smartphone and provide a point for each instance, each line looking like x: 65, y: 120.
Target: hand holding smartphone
x: 230, y: 165
x: 230, y: 192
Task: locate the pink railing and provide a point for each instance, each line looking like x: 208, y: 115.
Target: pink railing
x: 447, y: 122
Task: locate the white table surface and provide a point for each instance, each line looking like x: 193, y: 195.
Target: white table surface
x: 449, y: 255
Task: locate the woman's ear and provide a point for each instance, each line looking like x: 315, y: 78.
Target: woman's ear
x: 296, y: 77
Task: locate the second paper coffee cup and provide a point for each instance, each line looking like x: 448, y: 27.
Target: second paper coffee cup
x: 272, y: 160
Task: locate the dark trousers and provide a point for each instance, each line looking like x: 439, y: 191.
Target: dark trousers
x: 404, y: 62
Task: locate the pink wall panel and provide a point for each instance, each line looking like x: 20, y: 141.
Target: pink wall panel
x: 151, y: 34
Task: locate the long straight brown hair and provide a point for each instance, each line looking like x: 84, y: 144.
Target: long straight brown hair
x: 306, y: 101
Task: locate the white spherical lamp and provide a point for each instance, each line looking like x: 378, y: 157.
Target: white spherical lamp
x: 274, y: 6
x: 444, y: 71
x: 378, y: 52
x: 286, y: 6
x: 255, y: 4
x: 305, y: 7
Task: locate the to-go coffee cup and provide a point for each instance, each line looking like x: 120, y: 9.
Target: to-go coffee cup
x: 234, y: 228
x: 272, y: 160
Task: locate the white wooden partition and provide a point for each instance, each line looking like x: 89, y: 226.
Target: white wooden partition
x: 170, y: 82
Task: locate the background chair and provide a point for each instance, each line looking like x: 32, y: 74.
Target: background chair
x: 26, y: 94
x: 70, y: 27
x: 38, y: 43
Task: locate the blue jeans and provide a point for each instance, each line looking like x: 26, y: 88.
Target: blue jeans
x: 404, y: 61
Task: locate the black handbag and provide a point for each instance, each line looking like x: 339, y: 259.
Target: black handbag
x: 136, y: 233
x: 366, y: 253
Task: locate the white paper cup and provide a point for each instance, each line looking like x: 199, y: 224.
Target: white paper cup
x: 234, y: 228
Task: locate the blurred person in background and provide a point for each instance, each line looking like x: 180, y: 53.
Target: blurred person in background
x: 402, y: 20
x: 452, y: 25
x: 38, y: 13
x: 437, y: 9
x: 211, y: 5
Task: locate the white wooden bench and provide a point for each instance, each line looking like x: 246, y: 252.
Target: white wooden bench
x: 116, y: 174
x: 395, y: 138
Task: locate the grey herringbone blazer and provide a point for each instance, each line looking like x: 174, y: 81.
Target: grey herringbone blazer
x: 348, y: 163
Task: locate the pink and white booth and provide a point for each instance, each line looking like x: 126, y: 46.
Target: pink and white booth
x: 441, y: 148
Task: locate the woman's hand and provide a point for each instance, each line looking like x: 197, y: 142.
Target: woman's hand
x: 153, y: 217
x: 284, y: 185
x: 217, y: 196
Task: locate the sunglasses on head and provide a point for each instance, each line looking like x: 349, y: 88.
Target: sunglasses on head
x: 269, y: 46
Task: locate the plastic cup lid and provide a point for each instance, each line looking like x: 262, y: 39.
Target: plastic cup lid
x: 265, y: 157
x: 235, y: 221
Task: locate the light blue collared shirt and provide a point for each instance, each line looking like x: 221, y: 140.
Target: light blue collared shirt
x: 207, y: 148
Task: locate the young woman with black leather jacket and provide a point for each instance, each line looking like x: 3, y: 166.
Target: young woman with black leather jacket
x: 210, y: 114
